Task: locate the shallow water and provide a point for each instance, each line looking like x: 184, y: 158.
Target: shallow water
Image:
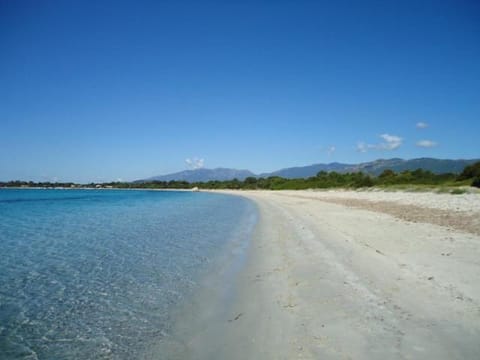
x: 91, y: 274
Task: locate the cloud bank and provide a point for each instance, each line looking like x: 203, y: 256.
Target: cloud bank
x: 331, y: 150
x: 390, y: 142
x: 421, y: 125
x: 426, y: 143
x: 194, y: 163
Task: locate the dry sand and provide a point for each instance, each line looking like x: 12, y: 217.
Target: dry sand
x: 354, y: 275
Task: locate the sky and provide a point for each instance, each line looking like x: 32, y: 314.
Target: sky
x: 94, y: 91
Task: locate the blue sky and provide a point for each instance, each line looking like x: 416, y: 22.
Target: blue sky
x: 106, y: 90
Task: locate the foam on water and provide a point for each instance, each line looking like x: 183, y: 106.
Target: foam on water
x: 90, y: 274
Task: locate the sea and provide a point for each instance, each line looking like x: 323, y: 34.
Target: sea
x: 99, y: 274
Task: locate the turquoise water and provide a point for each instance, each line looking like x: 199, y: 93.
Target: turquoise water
x: 92, y: 274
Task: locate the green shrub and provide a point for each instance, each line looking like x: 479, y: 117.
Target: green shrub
x: 362, y: 181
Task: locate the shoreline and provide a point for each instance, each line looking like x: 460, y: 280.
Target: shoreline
x: 200, y: 321
x: 332, y: 280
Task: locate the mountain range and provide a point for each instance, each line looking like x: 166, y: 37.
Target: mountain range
x: 203, y: 174
x: 376, y: 167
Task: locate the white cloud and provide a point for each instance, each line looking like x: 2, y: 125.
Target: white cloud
x: 390, y: 142
x: 194, y: 163
x: 426, y: 143
x: 331, y: 150
x: 421, y: 125
x: 362, y: 147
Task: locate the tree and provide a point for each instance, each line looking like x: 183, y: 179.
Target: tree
x: 387, y: 173
x: 362, y: 180
x: 476, y: 182
x: 388, y: 177
x: 470, y: 171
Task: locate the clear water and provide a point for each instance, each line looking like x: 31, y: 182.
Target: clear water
x: 93, y: 274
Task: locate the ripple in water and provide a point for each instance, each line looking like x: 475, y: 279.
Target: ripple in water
x: 88, y: 274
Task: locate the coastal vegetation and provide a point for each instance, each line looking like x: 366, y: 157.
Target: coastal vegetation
x: 470, y: 176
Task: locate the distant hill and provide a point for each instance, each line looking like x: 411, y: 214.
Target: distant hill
x: 307, y: 171
x: 376, y: 167
x: 437, y: 166
x: 199, y: 175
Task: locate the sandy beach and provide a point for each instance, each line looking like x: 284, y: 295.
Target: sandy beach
x: 355, y: 275
x: 349, y: 275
